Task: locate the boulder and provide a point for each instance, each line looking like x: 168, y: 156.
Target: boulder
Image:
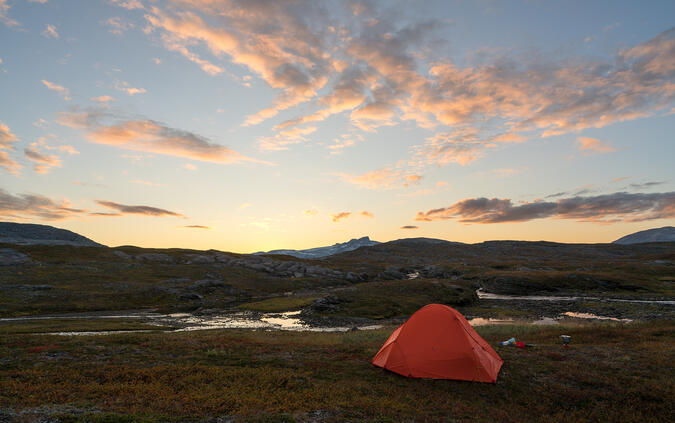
x: 190, y: 297
x: 328, y: 304
x: 156, y: 257
x: 198, y: 259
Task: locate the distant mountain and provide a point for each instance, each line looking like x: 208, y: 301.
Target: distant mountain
x: 326, y: 251
x: 665, y: 234
x: 27, y: 233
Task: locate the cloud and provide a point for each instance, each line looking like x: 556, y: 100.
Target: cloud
x: 50, y: 32
x: 381, y: 179
x: 43, y: 162
x: 149, y: 136
x: 35, y: 206
x: 310, y: 212
x: 378, y: 69
x: 619, y: 206
x: 505, y: 172
x: 646, y: 185
x: 4, y: 15
x: 367, y: 214
x: 122, y: 209
x: 441, y: 184
x: 146, y: 183
x: 124, y: 86
x: 245, y: 205
x: 461, y: 146
x: 279, y: 42
x: 283, y: 139
x: 58, y: 88
x: 593, y: 144
x: 197, y: 227
x: 343, y: 142
x: 157, y: 60
x: 339, y: 216
x: 9, y: 164
x: 409, y: 227
x: 7, y: 140
x: 128, y: 4
x: 102, y: 99
x: 117, y: 26
x: 189, y: 166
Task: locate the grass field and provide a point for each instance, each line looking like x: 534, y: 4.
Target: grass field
x: 611, y: 373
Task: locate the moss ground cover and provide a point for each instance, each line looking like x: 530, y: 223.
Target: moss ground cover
x: 612, y: 372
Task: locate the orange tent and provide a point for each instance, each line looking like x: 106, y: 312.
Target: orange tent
x: 438, y: 343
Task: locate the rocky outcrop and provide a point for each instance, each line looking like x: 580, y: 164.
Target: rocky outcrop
x: 154, y: 257
x: 284, y: 268
x: 665, y: 234
x: 30, y: 234
x: 11, y: 257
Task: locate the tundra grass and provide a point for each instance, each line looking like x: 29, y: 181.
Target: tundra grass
x: 75, y: 325
x: 611, y: 372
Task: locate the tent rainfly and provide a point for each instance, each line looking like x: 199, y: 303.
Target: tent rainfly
x: 438, y: 343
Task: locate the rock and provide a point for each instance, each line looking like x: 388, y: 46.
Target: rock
x: 157, y: 257
x: 207, y: 283
x: 327, y: 304
x: 392, y: 273
x: 122, y: 255
x: 352, y: 277
x: 199, y: 259
x: 191, y: 297
x: 11, y: 257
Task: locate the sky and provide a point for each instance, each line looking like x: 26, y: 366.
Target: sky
x: 262, y: 124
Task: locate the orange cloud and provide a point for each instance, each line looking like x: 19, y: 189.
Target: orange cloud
x: 35, y: 206
x: 43, y: 162
x: 4, y: 15
x: 367, y: 214
x: 151, y: 137
x: 50, y: 32
x: 9, y: 164
x: 342, y: 215
x: 284, y: 56
x: 409, y: 227
x: 7, y: 140
x: 102, y: 99
x: 58, y: 88
x: 125, y: 87
x: 593, y: 144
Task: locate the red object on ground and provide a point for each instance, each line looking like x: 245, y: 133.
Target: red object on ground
x: 438, y: 343
x: 520, y: 344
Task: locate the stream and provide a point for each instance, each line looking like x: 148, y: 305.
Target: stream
x: 291, y: 321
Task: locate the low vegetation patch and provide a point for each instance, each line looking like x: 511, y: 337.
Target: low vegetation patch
x: 610, y: 373
x: 381, y: 300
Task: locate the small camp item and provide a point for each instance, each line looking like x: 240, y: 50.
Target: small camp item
x: 565, y: 339
x: 509, y: 342
x: 438, y: 343
x: 520, y: 344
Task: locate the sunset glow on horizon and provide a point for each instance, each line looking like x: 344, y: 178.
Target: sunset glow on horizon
x: 256, y: 125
